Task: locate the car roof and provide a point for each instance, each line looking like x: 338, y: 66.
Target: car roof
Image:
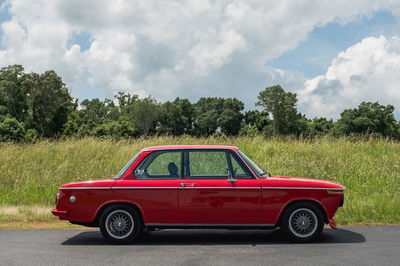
x: 176, y: 147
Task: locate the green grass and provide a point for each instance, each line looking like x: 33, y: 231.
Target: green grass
x: 370, y: 169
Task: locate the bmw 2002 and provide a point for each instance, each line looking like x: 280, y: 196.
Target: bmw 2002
x: 199, y: 186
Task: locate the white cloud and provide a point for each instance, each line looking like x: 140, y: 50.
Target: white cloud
x: 171, y: 48
x: 366, y: 71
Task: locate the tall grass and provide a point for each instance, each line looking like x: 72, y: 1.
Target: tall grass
x: 370, y: 168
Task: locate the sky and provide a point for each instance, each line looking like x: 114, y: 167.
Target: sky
x: 332, y: 54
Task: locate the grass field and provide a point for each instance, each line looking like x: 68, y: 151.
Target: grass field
x: 370, y: 169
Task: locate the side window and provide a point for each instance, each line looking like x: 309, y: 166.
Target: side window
x: 163, y: 164
x: 206, y: 164
x: 238, y: 170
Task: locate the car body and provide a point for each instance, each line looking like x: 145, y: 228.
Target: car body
x: 198, y: 186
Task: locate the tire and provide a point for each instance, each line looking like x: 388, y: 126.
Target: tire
x: 302, y: 222
x: 120, y: 224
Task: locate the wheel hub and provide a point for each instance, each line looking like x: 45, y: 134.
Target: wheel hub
x: 120, y: 224
x: 303, y: 222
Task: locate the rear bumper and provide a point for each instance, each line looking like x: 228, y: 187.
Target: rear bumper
x: 62, y: 215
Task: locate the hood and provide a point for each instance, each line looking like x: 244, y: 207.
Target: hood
x: 286, y: 181
x: 106, y: 182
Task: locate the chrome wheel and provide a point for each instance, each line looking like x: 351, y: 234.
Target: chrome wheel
x: 303, y: 222
x: 119, y: 224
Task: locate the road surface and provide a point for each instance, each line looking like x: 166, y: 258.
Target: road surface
x: 377, y: 245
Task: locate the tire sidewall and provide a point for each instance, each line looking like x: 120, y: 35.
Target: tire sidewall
x: 292, y: 208
x: 136, y: 219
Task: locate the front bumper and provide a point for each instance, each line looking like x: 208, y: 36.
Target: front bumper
x: 61, y: 214
x: 332, y: 223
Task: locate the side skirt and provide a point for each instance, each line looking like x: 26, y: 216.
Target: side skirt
x: 152, y: 226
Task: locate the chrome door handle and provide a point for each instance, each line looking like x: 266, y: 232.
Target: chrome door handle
x: 187, y: 184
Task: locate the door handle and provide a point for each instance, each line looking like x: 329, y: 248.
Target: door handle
x: 187, y: 184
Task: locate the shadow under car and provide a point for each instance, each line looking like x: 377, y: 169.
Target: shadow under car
x: 217, y: 237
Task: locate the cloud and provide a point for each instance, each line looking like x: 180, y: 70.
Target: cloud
x: 366, y: 71
x: 172, y: 48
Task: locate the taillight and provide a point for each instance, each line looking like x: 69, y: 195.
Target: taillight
x: 59, y: 196
x: 56, y: 198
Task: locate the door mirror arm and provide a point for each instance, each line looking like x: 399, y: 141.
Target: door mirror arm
x: 230, y: 177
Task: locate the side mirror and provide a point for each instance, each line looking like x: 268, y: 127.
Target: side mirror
x: 230, y: 176
x: 140, y: 173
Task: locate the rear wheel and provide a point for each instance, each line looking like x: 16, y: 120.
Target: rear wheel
x: 120, y: 224
x: 302, y: 222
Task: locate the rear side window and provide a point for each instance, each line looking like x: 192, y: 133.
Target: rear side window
x: 206, y: 164
x: 163, y: 164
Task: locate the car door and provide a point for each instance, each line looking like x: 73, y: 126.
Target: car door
x: 207, y: 197
x: 154, y: 187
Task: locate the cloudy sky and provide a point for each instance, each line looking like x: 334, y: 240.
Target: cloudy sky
x: 333, y: 54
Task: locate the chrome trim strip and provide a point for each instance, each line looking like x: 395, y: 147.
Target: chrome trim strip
x: 183, y: 225
x: 335, y: 191
x: 186, y: 187
x: 220, y: 187
x: 66, y: 188
x: 315, y: 188
x: 144, y: 188
x: 309, y: 188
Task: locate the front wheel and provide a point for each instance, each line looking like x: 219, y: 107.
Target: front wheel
x: 120, y: 224
x: 302, y: 222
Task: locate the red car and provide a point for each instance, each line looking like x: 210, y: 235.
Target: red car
x: 199, y: 186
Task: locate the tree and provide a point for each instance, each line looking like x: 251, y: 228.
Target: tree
x: 282, y: 106
x: 176, y: 117
x: 256, y: 118
x: 49, y: 103
x: 213, y: 113
x: 369, y: 118
x: 143, y: 115
x: 14, y: 92
x: 71, y: 127
x: 318, y: 127
x: 231, y: 117
x: 92, y: 114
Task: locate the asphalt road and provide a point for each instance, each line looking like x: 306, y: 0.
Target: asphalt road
x: 378, y: 245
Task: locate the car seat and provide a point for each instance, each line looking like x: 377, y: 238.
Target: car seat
x: 173, y: 170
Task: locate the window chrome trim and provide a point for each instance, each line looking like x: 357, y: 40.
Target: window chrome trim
x: 231, y: 152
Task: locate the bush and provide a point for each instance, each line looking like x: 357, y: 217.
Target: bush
x: 31, y: 135
x: 12, y: 130
x: 249, y: 131
x: 116, y: 129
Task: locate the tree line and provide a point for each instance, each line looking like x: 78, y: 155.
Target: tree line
x: 34, y: 106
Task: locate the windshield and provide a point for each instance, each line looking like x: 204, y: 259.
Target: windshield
x: 122, y: 171
x: 253, y: 166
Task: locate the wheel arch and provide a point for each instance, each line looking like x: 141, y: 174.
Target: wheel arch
x: 107, y: 204
x: 312, y: 201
